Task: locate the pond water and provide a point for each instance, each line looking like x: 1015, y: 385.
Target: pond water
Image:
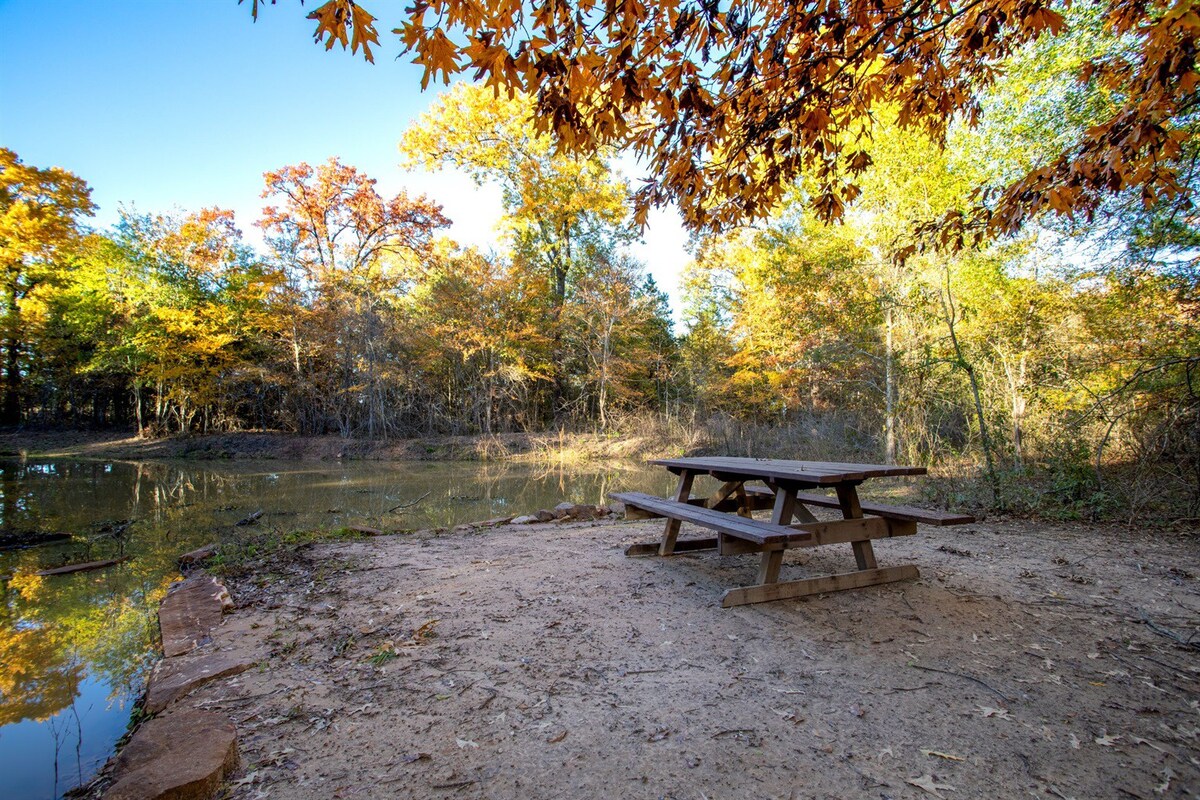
x: 74, y: 649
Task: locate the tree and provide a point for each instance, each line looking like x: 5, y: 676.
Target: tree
x: 344, y: 248
x: 731, y: 103
x: 563, y: 213
x: 479, y: 345
x: 192, y: 297
x: 39, y: 221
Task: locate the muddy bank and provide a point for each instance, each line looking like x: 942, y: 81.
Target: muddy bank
x: 273, y: 445
x: 539, y: 661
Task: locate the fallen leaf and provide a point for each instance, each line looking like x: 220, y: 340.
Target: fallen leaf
x: 1107, y: 740
x: 557, y: 739
x: 463, y: 744
x: 1075, y: 743
x: 929, y: 784
x: 998, y: 713
x: 411, y: 757
x: 938, y: 754
x: 1147, y: 742
x: 1166, y: 784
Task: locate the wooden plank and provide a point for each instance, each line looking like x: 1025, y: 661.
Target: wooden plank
x: 768, y: 569
x: 732, y: 469
x: 744, y: 508
x: 823, y: 473
x: 864, y: 555
x: 733, y: 546
x: 833, y: 532
x: 757, y: 503
x: 909, y: 513
x: 682, y: 546
x: 848, y: 501
x: 828, y: 583
x: 840, y: 531
x: 671, y: 531
x: 721, y: 494
x: 750, y: 529
x: 785, y: 505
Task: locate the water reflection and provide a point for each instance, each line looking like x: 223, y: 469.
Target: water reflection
x: 74, y: 649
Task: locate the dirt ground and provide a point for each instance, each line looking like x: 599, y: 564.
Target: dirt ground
x: 540, y: 662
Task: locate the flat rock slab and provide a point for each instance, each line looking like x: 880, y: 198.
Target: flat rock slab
x: 198, y: 555
x: 189, y: 613
x: 175, y: 677
x: 182, y: 756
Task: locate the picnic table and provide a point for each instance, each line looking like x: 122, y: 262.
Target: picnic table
x: 752, y: 484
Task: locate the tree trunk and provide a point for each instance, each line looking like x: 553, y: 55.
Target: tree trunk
x: 951, y: 316
x: 889, y: 390
x: 10, y: 410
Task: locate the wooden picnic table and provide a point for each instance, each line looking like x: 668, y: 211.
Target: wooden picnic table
x: 752, y: 484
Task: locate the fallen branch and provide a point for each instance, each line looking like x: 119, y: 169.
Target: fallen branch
x: 1170, y: 634
x: 971, y: 678
x: 394, y: 509
x: 84, y: 567
x: 249, y: 519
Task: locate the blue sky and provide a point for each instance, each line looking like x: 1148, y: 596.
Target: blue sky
x: 185, y: 103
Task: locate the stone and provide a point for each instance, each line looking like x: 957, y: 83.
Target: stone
x: 545, y: 515
x: 175, y: 677
x: 586, y: 511
x: 525, y: 519
x: 189, y: 613
x: 180, y: 756
x: 494, y: 522
x: 197, y: 556
x: 576, y: 511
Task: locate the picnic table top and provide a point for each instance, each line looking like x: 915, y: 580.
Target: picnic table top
x: 820, y: 473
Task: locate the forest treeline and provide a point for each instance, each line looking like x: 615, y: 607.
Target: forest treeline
x: 1068, y: 351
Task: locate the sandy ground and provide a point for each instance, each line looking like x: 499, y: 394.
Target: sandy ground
x: 540, y: 662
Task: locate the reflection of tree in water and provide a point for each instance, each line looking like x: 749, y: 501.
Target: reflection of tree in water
x: 38, y: 675
x: 17, y: 511
x: 53, y: 633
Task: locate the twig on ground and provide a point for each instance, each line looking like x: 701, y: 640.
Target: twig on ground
x: 971, y: 678
x: 1170, y: 634
x: 904, y: 597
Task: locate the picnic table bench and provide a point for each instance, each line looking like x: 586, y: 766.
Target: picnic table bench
x: 728, y: 512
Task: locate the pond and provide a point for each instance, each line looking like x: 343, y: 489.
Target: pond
x: 74, y: 649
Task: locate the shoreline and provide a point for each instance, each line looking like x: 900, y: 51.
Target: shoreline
x: 277, y: 445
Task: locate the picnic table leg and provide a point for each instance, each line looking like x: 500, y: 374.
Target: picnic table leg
x: 864, y: 553
x: 671, y: 531
x: 781, y: 514
x: 744, y: 509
